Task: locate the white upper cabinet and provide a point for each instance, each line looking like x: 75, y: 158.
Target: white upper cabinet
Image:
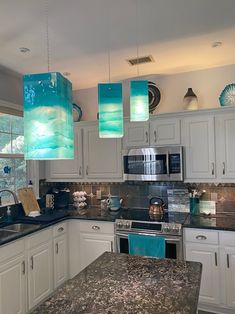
x: 225, y: 151
x: 136, y: 134
x: 68, y: 169
x: 102, y: 156
x: 165, y: 131
x: 199, y: 142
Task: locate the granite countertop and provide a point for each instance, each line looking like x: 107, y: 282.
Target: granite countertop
x: 127, y: 284
x: 220, y: 221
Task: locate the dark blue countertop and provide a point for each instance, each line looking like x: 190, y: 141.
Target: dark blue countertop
x: 121, y: 283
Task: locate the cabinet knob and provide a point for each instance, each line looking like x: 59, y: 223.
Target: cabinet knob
x: 31, y: 262
x: 60, y: 229
x: 95, y: 227
x: 216, y: 261
x: 228, y: 261
x: 201, y: 237
x: 23, y: 267
x: 86, y: 170
x: 57, y: 248
x: 80, y: 170
x: 212, y: 168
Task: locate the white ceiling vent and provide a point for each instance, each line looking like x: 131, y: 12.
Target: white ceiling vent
x: 140, y: 60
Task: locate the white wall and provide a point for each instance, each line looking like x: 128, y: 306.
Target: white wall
x: 207, y: 85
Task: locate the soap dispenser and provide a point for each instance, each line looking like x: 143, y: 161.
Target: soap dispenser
x: 8, y: 216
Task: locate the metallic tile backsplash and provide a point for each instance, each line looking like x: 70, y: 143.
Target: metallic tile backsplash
x: 136, y: 194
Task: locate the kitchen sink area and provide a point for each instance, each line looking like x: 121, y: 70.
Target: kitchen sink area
x: 16, y: 229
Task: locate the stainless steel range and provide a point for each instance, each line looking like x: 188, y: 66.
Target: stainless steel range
x: 138, y: 221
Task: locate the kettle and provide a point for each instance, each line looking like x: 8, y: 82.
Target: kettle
x: 156, y: 207
x: 114, y: 203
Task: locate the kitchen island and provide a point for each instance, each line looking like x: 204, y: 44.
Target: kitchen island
x: 127, y: 284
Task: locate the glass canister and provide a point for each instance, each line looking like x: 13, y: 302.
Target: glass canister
x: 194, y: 205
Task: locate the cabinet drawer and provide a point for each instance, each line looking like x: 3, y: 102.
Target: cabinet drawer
x: 59, y: 229
x: 97, y: 227
x: 201, y: 236
x: 227, y: 238
x: 39, y: 238
x: 11, y: 250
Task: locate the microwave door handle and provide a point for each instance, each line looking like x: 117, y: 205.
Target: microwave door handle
x: 167, y: 164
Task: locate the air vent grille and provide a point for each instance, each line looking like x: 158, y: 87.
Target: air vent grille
x: 140, y: 60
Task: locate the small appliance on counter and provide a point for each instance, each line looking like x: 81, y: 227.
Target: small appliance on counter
x: 156, y: 208
x: 61, y: 197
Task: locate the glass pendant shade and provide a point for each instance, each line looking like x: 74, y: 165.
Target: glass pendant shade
x: 48, y: 119
x: 139, y: 101
x: 110, y: 110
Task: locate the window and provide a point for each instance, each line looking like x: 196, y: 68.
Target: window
x: 12, y: 163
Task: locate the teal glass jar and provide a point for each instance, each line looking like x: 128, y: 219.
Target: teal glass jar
x: 194, y: 205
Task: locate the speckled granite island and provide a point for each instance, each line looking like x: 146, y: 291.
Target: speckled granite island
x: 127, y: 284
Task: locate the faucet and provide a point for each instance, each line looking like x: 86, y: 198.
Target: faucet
x: 12, y: 193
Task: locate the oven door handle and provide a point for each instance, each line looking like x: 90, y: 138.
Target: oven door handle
x: 125, y: 235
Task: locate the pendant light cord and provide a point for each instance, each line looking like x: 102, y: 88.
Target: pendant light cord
x: 47, y: 34
x: 137, y: 37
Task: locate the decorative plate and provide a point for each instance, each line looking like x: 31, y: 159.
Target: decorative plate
x: 154, y: 96
x: 77, y: 113
x: 227, y: 97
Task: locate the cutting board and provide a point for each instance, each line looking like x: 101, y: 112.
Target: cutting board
x: 28, y: 200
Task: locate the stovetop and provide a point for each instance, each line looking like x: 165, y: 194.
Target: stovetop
x: 142, y: 214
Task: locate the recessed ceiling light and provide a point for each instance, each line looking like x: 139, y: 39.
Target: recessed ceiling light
x: 216, y: 44
x: 24, y: 49
x: 66, y: 73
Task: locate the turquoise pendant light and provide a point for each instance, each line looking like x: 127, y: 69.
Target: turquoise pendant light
x: 110, y: 110
x: 139, y: 101
x: 48, y: 119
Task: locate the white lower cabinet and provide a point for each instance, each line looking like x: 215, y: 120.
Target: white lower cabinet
x: 60, y: 253
x: 13, y: 295
x: 216, y: 251
x: 40, y: 276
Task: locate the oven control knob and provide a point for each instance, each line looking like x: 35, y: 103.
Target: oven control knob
x: 120, y: 224
x: 127, y: 224
x: 166, y: 228
x: 176, y: 229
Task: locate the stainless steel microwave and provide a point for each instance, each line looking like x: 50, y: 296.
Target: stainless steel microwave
x: 153, y: 164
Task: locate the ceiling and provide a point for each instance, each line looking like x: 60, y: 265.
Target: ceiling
x: 177, y: 33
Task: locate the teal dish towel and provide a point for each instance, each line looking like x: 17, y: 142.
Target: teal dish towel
x: 146, y: 245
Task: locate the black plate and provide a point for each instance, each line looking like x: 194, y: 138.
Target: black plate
x: 154, y: 96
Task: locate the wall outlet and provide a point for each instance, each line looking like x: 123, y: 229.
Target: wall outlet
x: 98, y: 195
x: 214, y: 197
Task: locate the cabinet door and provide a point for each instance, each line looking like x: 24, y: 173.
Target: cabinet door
x: 60, y: 260
x: 13, y: 286
x: 40, y: 273
x: 136, y: 134
x: 102, y: 156
x: 165, y: 132
x: 68, y: 169
x: 199, y: 142
x: 93, y: 245
x: 225, y: 131
x: 208, y: 255
x: 228, y: 269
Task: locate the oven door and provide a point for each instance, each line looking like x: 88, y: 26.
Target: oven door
x: 173, y: 245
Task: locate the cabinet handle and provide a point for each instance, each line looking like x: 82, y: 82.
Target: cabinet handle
x: 31, y: 262
x: 201, y: 237
x: 57, y: 248
x: 95, y: 227
x: 147, y: 138
x: 212, y: 168
x: 111, y: 246
x: 23, y: 267
x: 216, y: 261
x: 80, y: 170
x: 86, y: 170
x: 228, y: 261
x: 223, y: 168
x: 155, y: 136
x: 60, y: 229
